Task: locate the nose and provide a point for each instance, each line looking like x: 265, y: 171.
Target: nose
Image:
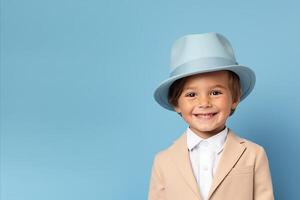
x: 203, y: 101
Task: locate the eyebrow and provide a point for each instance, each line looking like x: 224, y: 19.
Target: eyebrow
x: 214, y: 86
x: 220, y: 86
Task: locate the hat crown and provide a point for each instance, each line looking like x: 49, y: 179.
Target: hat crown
x: 194, y: 47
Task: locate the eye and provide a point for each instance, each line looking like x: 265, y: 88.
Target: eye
x: 191, y: 94
x: 215, y: 92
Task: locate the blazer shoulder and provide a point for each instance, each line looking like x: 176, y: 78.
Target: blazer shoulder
x: 164, y: 155
x: 250, y: 145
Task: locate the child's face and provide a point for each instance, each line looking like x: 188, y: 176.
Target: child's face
x: 206, y: 102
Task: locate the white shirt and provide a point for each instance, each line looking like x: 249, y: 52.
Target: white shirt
x: 205, y: 155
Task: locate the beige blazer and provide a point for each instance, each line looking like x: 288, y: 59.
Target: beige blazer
x: 242, y: 173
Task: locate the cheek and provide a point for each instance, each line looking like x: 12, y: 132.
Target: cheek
x: 186, y: 113
x: 184, y: 106
x: 225, y: 105
x: 186, y: 110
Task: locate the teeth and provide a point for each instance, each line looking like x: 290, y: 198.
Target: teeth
x: 206, y: 116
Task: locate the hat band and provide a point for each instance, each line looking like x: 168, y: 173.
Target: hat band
x: 203, y: 64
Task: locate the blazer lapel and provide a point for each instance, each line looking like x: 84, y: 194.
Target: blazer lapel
x: 180, y: 156
x: 233, y: 150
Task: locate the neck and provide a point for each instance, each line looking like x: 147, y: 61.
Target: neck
x: 208, y: 134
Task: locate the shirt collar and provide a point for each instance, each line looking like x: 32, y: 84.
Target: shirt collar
x: 215, y: 142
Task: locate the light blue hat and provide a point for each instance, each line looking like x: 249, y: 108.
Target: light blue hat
x: 200, y: 53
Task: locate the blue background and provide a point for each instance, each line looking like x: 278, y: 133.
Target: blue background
x: 78, y: 120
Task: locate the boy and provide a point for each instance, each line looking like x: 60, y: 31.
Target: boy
x: 209, y: 161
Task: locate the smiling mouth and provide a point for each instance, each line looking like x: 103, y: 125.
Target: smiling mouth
x: 206, y: 115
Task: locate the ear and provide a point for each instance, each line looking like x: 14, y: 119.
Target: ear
x: 236, y: 103
x: 177, y: 109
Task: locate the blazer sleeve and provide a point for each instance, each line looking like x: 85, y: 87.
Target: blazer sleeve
x: 157, y: 187
x: 263, y: 189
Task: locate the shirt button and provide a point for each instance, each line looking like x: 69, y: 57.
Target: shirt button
x: 205, y: 168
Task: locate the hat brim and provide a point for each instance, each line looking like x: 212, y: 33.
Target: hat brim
x: 246, y: 75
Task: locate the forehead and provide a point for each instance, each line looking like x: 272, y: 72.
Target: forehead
x: 210, y: 79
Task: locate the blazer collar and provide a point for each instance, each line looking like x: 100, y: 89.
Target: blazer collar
x: 233, y: 149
